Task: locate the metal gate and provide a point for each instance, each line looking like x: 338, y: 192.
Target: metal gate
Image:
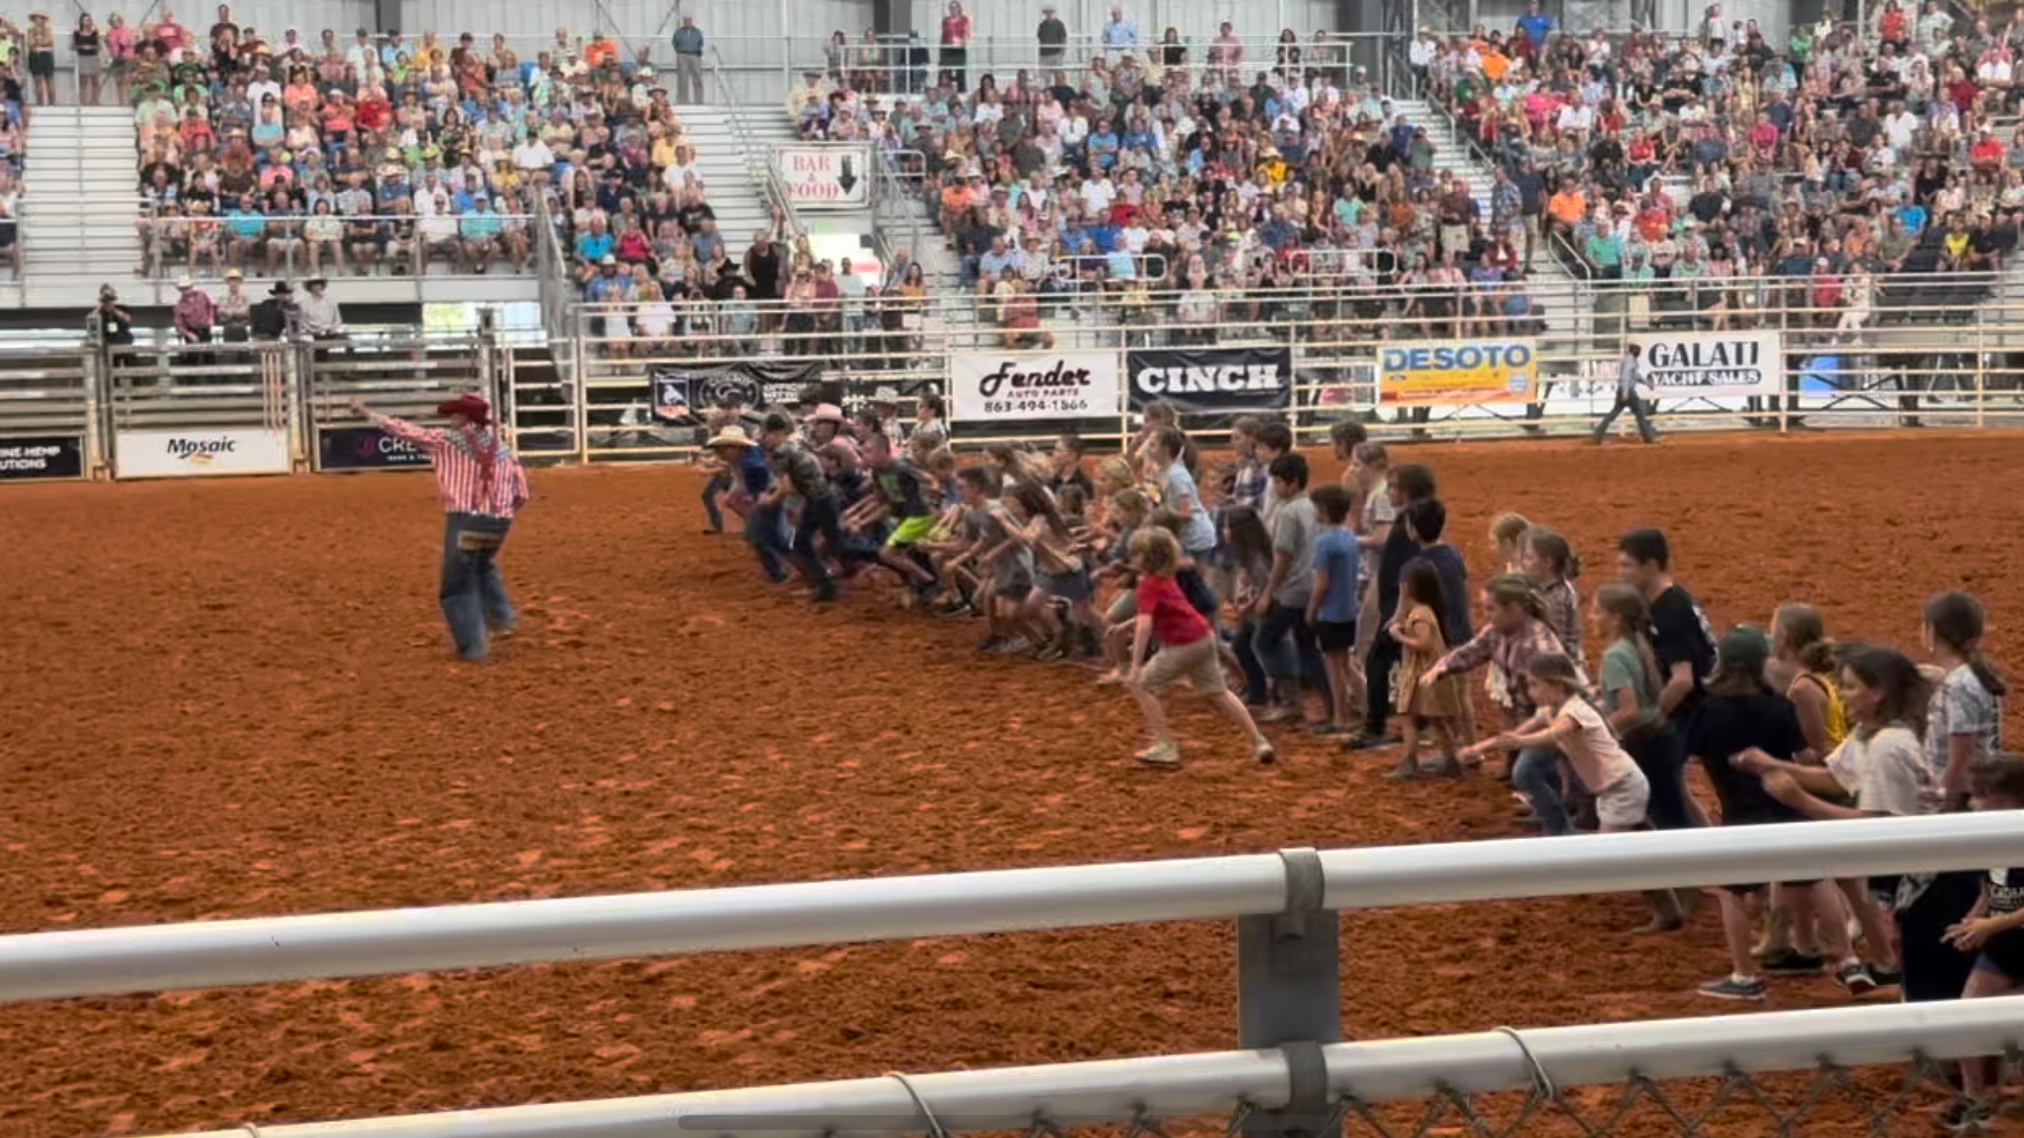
x: 187, y: 410
x: 401, y: 376
x: 47, y: 427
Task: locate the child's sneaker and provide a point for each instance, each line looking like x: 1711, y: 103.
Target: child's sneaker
x: 1734, y: 988
x: 1444, y: 768
x: 1856, y: 978
x: 1969, y: 1116
x: 1164, y: 755
x: 1263, y: 751
x: 1792, y: 962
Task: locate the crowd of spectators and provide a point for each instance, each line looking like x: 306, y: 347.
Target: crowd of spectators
x: 1730, y: 176
x: 1721, y: 172
x: 1191, y: 184
x: 379, y: 154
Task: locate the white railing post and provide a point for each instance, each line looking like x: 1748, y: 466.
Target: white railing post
x: 1289, y: 995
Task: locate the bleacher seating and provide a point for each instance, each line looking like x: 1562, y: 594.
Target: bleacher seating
x: 1843, y: 158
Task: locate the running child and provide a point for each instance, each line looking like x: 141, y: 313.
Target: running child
x: 1566, y: 722
x: 1332, y: 608
x: 1424, y: 705
x: 801, y: 474
x: 1187, y: 651
x: 1993, y: 931
x: 1966, y: 716
x: 1507, y: 540
x: 1059, y: 573
x: 902, y: 501
x: 931, y: 427
x: 1547, y: 558
x: 1064, y: 465
x: 1284, y: 641
x: 1882, y: 767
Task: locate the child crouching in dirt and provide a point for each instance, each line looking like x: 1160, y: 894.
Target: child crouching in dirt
x: 1187, y: 650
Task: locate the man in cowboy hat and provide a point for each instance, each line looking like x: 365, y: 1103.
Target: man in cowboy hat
x: 320, y: 316
x: 275, y: 317
x: 196, y: 312
x: 482, y: 486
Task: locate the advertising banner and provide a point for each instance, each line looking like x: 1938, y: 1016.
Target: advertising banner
x: 1457, y: 373
x: 366, y: 448
x: 41, y: 456
x: 1712, y: 365
x: 187, y: 454
x: 999, y: 386
x: 1213, y: 380
x: 680, y: 392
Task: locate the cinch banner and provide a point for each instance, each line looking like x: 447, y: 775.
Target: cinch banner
x: 1457, y: 373
x: 366, y: 448
x: 988, y: 386
x: 1213, y: 380
x: 1712, y: 365
x: 186, y: 454
x: 41, y: 456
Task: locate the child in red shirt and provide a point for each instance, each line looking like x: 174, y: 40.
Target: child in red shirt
x: 1187, y: 650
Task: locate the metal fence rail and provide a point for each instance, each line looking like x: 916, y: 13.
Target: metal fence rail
x: 1316, y: 1088
x: 214, y: 953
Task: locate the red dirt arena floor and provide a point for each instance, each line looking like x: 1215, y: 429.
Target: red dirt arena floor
x: 234, y: 698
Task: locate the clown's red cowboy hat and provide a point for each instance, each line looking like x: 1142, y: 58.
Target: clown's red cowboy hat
x: 472, y: 407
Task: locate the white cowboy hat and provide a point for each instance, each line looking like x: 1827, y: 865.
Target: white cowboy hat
x: 733, y: 436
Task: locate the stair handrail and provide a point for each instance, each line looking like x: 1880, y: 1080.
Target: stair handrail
x: 761, y: 170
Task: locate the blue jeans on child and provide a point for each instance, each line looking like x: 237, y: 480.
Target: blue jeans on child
x: 1296, y: 661
x: 765, y: 531
x: 1536, y: 774
x: 473, y: 595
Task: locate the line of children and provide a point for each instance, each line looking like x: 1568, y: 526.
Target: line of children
x: 1787, y: 727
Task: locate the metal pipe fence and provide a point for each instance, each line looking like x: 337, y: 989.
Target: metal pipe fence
x: 1422, y: 1087
x: 1299, y: 1079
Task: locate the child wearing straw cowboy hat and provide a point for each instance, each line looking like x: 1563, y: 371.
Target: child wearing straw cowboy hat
x: 744, y: 462
x: 482, y: 486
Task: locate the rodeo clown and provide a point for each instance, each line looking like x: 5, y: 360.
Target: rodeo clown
x: 482, y: 486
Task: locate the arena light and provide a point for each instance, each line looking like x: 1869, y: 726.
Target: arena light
x: 219, y: 953
x: 1182, y: 1086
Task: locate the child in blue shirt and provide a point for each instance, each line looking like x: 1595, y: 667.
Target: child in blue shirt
x: 1332, y: 609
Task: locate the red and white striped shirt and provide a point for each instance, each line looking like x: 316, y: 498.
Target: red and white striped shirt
x: 461, y: 478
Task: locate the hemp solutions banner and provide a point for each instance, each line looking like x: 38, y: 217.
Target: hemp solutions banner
x: 41, y: 456
x: 1213, y: 381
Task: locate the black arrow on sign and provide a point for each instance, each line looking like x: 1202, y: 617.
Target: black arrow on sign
x: 846, y: 176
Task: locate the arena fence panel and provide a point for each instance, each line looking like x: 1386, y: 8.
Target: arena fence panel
x: 402, y: 376
x: 1082, y: 353
x: 1288, y: 907
x: 1811, y: 1072
x: 181, y: 410
x: 49, y: 415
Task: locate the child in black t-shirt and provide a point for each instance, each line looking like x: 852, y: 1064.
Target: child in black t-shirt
x: 1740, y: 714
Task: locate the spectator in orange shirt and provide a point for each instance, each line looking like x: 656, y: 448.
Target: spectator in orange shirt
x: 1566, y: 208
x: 600, y: 51
x: 1495, y: 62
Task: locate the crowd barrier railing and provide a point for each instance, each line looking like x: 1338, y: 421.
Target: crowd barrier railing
x: 171, y: 410
x: 1456, y: 361
x: 1085, y: 355
x: 300, y: 245
x: 1298, y: 1075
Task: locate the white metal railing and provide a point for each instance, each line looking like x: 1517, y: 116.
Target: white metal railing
x: 218, y: 953
x: 1235, y: 1082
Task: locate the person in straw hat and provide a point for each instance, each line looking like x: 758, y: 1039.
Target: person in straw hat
x: 482, y: 487
x: 752, y: 477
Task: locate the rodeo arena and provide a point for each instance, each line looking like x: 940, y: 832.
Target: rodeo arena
x: 940, y: 568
